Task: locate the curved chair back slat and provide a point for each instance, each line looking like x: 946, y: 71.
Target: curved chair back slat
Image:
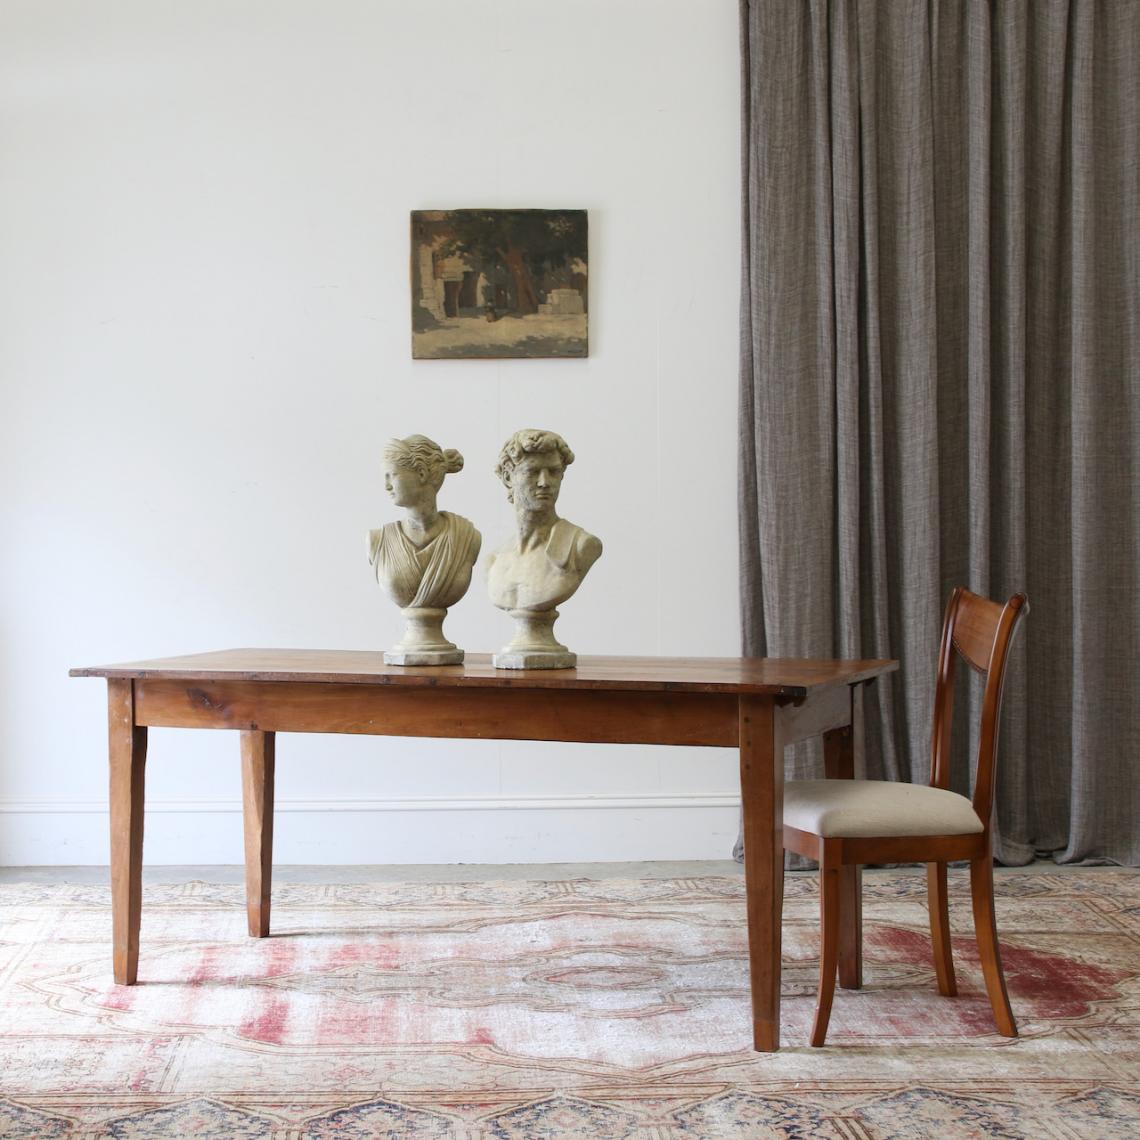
x: 975, y: 627
x: 1009, y: 621
x: 981, y: 632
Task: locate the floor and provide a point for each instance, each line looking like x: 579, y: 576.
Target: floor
x: 387, y: 873
x: 430, y: 873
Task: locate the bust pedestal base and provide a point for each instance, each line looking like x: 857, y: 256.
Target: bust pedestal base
x: 423, y: 642
x: 533, y: 646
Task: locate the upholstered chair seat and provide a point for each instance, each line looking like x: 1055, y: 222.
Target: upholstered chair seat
x: 856, y: 809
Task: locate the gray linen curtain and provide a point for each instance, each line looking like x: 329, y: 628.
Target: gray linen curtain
x: 940, y: 375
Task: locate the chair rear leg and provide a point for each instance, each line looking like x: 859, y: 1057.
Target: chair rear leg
x: 829, y: 944
x: 985, y: 928
x: 940, y: 928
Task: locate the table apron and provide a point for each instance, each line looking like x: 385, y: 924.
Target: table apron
x: 585, y: 716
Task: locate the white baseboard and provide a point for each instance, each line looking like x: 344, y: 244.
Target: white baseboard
x: 491, y: 829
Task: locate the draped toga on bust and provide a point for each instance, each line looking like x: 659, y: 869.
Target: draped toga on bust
x: 434, y: 575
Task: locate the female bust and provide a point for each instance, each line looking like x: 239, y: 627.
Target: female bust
x: 423, y: 562
x: 544, y: 561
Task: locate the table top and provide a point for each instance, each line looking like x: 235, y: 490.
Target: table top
x: 790, y: 677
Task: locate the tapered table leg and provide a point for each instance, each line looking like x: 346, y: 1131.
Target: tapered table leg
x: 257, y: 762
x: 127, y: 755
x: 762, y: 805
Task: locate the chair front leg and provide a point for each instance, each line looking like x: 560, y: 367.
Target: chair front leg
x: 851, y: 926
x: 829, y: 910
x: 938, y: 905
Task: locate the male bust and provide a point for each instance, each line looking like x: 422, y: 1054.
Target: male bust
x: 545, y: 559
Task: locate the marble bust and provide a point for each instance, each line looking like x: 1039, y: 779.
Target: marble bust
x: 544, y: 561
x: 424, y: 561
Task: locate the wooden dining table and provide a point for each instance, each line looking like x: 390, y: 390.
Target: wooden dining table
x: 756, y: 705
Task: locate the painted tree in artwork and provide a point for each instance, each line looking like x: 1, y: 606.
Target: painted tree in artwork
x: 524, y: 243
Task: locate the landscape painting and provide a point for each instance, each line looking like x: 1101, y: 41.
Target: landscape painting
x: 498, y: 283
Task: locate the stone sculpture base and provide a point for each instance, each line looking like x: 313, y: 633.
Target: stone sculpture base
x: 423, y: 642
x: 533, y: 646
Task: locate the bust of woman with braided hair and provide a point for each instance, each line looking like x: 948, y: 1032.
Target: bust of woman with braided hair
x: 423, y: 562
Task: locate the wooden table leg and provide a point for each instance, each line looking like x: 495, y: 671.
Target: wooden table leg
x: 127, y: 754
x: 762, y: 805
x: 257, y: 761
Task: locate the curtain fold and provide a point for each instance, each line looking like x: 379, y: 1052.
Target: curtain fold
x: 940, y: 376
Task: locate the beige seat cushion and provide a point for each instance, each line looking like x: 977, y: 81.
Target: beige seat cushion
x: 862, y: 808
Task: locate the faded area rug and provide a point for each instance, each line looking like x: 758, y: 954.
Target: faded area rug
x: 611, y: 1008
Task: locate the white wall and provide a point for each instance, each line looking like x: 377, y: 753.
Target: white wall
x: 204, y: 304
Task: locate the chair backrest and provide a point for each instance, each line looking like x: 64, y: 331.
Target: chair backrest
x: 981, y: 632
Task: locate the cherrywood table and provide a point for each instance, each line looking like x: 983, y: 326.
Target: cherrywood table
x: 755, y: 705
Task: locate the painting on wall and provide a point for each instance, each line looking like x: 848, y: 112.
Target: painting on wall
x: 497, y: 283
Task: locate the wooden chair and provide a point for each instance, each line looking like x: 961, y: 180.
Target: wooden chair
x: 845, y: 823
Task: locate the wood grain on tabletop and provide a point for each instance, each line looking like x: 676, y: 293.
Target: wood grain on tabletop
x: 786, y: 676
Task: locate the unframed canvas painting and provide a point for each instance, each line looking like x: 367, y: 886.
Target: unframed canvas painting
x: 493, y: 283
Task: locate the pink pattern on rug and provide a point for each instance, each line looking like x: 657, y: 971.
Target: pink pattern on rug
x: 1051, y: 985
x: 566, y: 1009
